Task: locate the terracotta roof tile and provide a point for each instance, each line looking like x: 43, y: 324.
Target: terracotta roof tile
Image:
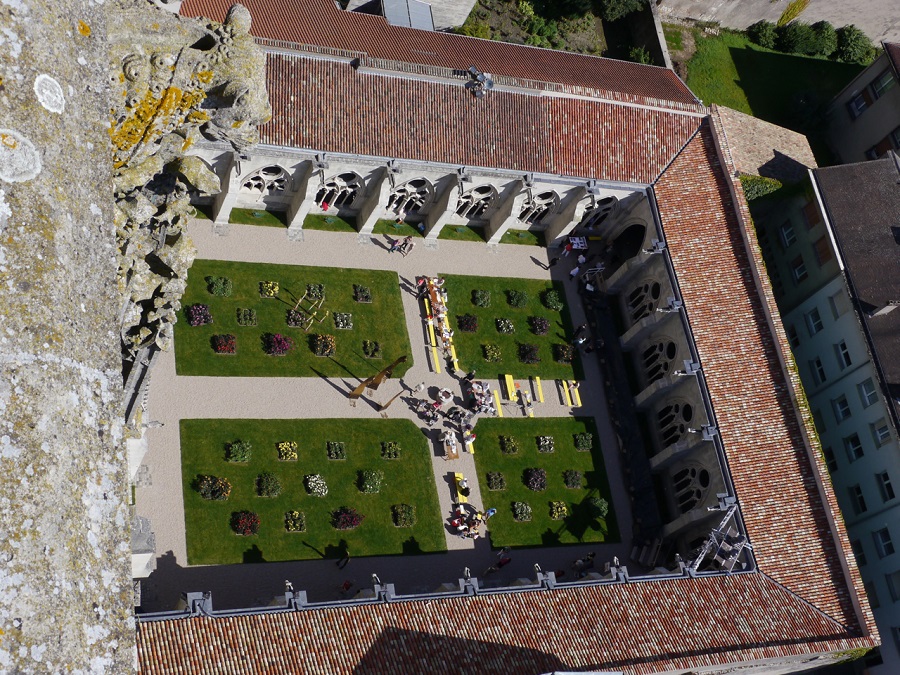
x: 638, y: 628
x: 379, y: 115
x: 786, y: 509
x: 320, y: 23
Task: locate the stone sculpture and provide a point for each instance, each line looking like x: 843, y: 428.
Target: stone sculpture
x: 174, y: 81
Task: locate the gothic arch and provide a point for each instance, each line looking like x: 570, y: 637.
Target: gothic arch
x: 267, y: 181
x: 598, y: 212
x: 657, y: 358
x: 473, y: 203
x: 689, y: 486
x: 339, y: 190
x: 537, y: 206
x: 629, y: 242
x: 643, y: 299
x: 410, y: 197
x: 673, y: 421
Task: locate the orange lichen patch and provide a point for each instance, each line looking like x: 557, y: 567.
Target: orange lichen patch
x: 237, y: 124
x: 84, y: 29
x: 148, y: 119
x: 9, y: 141
x: 188, y: 142
x: 198, y: 116
x: 205, y: 76
x: 121, y: 77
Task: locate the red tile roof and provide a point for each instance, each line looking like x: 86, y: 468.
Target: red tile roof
x: 786, y: 497
x: 381, y: 116
x: 638, y: 628
x: 319, y: 22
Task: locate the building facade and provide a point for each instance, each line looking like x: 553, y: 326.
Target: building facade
x: 864, y: 118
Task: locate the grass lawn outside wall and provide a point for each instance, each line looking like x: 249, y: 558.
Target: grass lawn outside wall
x: 578, y: 527
x: 377, y: 320
x: 408, y: 479
x: 468, y: 345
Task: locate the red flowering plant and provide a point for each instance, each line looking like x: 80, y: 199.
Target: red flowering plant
x: 276, y: 344
x: 224, y: 344
x: 245, y: 523
x: 345, y: 518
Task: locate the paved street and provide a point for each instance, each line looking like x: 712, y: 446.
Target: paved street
x: 879, y: 19
x: 172, y: 398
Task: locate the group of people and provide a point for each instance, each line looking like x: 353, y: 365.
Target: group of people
x: 404, y: 245
x: 481, y: 399
x: 468, y: 525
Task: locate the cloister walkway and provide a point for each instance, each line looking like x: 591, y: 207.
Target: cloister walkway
x: 172, y: 398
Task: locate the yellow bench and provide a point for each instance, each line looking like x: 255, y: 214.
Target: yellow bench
x: 460, y: 497
x: 510, y: 387
x: 539, y: 390
x: 497, y: 404
x: 453, y: 356
x: 566, y: 396
x: 467, y: 444
x: 576, y: 396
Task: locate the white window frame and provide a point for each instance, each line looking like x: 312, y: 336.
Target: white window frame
x: 813, y: 321
x: 841, y: 408
x: 786, y: 234
x: 881, y: 432
x: 868, y: 392
x: 858, y: 499
x: 854, y: 447
x: 842, y: 354
x: 818, y: 370
x: 885, y: 487
x: 884, y: 545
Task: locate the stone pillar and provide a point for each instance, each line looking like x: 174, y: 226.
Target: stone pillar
x: 378, y: 190
x: 625, y: 274
x: 444, y: 206
x: 506, y: 215
x: 225, y: 200
x: 570, y: 213
x: 301, y: 201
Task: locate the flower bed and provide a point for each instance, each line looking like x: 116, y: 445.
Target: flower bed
x: 552, y: 300
x: 295, y: 521
x: 268, y: 289
x: 268, y: 485
x: 315, y: 292
x: 521, y: 511
x: 558, y: 510
x: 224, y: 344
x: 370, y: 481
x: 323, y: 345
x: 295, y: 318
x: 467, y: 323
x: 346, y: 518
x: 276, y: 344
x: 245, y: 523
x: 220, y: 286
x: 246, y: 316
x: 213, y: 488
x: 238, y: 451
x: 491, y: 353
x: 316, y: 485
x: 496, y: 481
x: 198, y: 315
x: 535, y: 479
x: 390, y: 450
x: 343, y: 320
x: 539, y: 325
x: 516, y: 298
x: 528, y: 353
x: 563, y: 353
x: 573, y: 479
x: 287, y: 451
x: 584, y: 441
x: 403, y: 515
x: 481, y: 298
x: 362, y: 293
x: 509, y: 445
x: 505, y: 326
x: 371, y: 349
x: 544, y: 443
x: 335, y: 450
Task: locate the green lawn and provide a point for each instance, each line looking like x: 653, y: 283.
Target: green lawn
x: 469, y: 345
x: 408, y: 479
x: 578, y: 526
x: 396, y: 229
x: 462, y: 233
x: 523, y: 237
x: 785, y: 89
x: 327, y: 223
x: 258, y: 217
x: 371, y: 321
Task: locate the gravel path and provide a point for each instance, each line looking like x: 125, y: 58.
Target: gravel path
x: 177, y: 397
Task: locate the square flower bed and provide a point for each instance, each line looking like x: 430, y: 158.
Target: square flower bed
x: 287, y: 451
x: 323, y: 345
x: 505, y: 326
x: 198, y: 315
x: 246, y: 316
x: 343, y: 320
x: 362, y: 293
x: 295, y: 521
x: 221, y: 286
x: 315, y: 291
x: 269, y: 289
x: 295, y: 318
x: 224, y: 344
x: 371, y: 349
x: 245, y: 523
x: 467, y: 323
x: 276, y: 344
x: 335, y: 450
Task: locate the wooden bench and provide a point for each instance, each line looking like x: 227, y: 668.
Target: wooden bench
x: 497, y: 405
x: 538, y: 389
x: 460, y: 497
x: 453, y: 356
x: 469, y: 444
x: 510, y: 388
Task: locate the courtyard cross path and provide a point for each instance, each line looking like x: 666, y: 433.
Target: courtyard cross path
x: 173, y: 397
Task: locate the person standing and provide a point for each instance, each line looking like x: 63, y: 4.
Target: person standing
x: 470, y: 376
x: 580, y: 329
x: 574, y: 272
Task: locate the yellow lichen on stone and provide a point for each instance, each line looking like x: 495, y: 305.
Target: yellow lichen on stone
x: 237, y: 124
x: 84, y: 29
x: 198, y: 116
x: 205, y: 76
x: 188, y: 142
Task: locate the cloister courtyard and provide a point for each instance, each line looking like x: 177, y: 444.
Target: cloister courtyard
x: 275, y: 335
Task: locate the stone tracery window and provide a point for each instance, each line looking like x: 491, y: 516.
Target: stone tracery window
x: 267, y: 181
x: 690, y: 485
x: 475, y: 202
x: 409, y: 197
x: 599, y: 212
x: 339, y: 190
x: 657, y: 359
x: 643, y: 300
x: 673, y: 420
x: 537, y: 206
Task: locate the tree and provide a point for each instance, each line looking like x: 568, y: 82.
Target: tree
x: 825, y: 38
x: 611, y: 10
x: 796, y: 38
x: 763, y: 33
x: 854, y: 46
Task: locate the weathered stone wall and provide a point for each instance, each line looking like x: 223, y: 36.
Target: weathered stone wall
x: 65, y: 588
